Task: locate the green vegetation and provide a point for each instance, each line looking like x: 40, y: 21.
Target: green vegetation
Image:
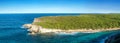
x: 84, y: 21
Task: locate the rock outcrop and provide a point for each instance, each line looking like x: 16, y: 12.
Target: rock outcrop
x: 37, y: 29
x: 36, y: 20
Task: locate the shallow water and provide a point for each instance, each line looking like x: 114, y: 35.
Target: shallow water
x: 11, y: 31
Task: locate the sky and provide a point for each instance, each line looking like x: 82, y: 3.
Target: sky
x: 59, y: 6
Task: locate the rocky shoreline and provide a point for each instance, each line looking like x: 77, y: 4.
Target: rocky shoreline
x: 38, y: 29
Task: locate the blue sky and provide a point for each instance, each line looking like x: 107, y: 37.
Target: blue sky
x: 59, y: 6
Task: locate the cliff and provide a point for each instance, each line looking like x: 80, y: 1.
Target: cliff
x: 38, y: 29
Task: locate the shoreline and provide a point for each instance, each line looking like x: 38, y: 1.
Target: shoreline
x: 38, y: 29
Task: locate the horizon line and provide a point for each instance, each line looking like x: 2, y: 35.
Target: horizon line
x: 59, y: 13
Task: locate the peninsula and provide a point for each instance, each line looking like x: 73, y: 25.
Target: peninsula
x: 81, y: 23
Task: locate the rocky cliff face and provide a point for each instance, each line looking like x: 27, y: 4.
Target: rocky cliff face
x: 32, y: 28
x: 36, y: 20
x: 36, y: 29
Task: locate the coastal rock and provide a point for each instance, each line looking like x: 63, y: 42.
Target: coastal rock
x: 27, y: 25
x: 32, y: 28
x: 36, y: 20
x: 38, y: 29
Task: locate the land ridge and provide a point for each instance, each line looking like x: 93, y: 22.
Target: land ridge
x: 83, y: 23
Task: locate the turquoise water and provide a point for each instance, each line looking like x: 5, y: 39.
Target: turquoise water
x: 11, y: 31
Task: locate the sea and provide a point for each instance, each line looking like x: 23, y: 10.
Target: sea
x: 12, y: 31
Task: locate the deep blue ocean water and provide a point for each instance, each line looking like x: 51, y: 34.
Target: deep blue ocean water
x: 11, y: 31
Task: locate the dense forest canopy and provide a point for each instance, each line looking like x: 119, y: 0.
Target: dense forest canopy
x: 83, y: 21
